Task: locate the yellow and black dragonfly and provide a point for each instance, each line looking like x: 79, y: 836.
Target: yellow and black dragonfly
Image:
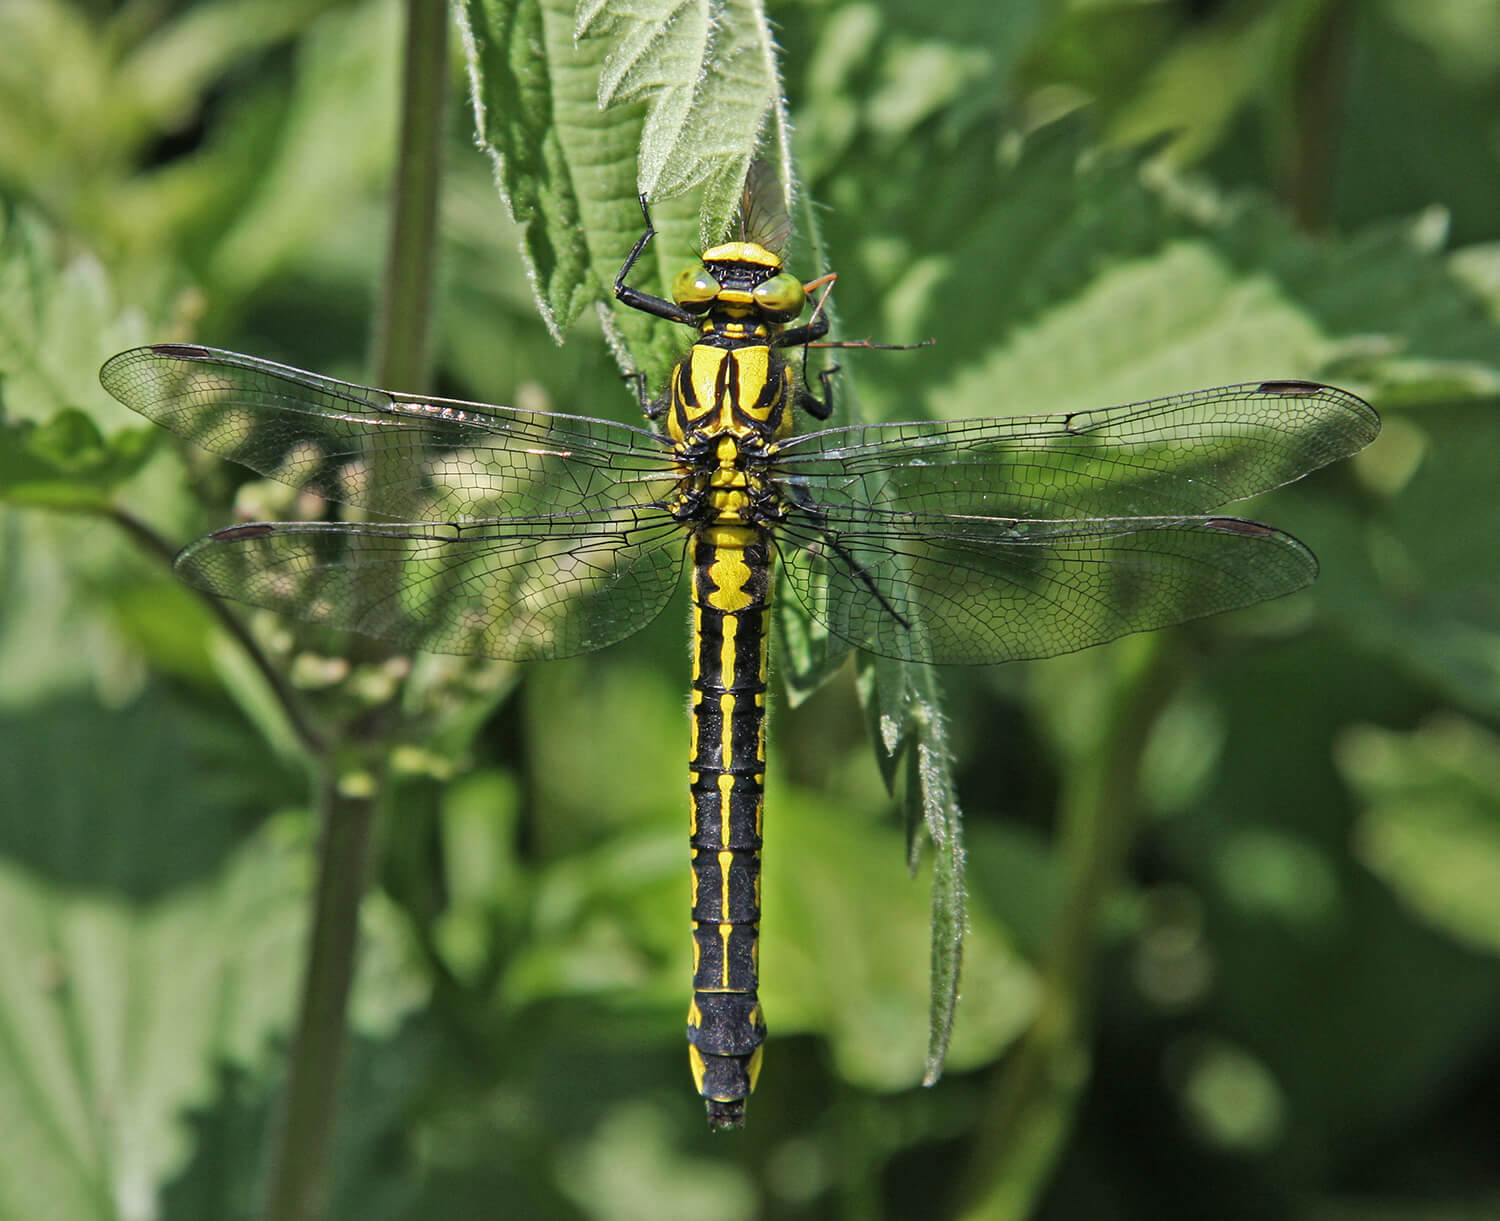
x: 530, y: 535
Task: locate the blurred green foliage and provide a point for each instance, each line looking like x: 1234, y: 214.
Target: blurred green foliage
x: 1232, y: 889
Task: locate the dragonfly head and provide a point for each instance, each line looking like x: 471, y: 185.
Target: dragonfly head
x: 741, y: 277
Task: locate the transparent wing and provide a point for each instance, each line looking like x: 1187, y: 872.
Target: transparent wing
x: 931, y: 588
x: 399, y: 456
x: 764, y: 218
x: 1027, y: 536
x: 520, y: 589
x: 1169, y: 457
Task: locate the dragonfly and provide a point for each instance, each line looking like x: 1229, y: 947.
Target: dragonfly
x: 531, y: 535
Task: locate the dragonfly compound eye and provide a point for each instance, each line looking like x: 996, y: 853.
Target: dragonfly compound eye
x: 781, y: 295
x: 694, y: 288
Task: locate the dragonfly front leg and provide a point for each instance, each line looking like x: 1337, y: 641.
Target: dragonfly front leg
x: 634, y: 297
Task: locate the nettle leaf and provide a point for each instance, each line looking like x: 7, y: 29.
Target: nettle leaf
x: 565, y: 170
x: 582, y: 112
x: 117, y: 1013
x: 707, y: 71
x: 846, y: 937
x: 66, y: 463
x: 807, y: 653
x: 58, y: 321
x: 903, y: 702
x: 1430, y: 828
x: 151, y: 945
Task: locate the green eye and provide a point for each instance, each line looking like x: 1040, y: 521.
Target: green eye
x: 781, y: 294
x: 694, y: 286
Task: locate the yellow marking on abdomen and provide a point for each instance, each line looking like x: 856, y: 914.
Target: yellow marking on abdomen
x: 726, y: 859
x: 725, y: 930
x: 726, y: 786
x: 729, y: 571
x: 729, y: 631
x: 726, y: 730
x: 726, y: 759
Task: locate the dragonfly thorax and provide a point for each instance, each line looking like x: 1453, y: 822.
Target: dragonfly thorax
x: 728, y: 389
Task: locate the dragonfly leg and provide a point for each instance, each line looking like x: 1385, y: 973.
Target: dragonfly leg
x: 801, y: 336
x: 634, y: 297
x: 799, y: 498
x: 818, y: 408
x: 651, y: 408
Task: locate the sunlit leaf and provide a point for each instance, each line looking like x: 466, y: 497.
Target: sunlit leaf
x: 706, y: 70
x: 117, y: 1013
x: 1431, y: 826
x: 563, y: 168
x: 66, y: 463
x: 58, y: 321
x: 856, y: 949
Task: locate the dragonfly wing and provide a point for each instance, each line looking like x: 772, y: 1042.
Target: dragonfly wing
x: 400, y: 456
x: 950, y: 589
x: 1169, y: 457
x: 519, y: 589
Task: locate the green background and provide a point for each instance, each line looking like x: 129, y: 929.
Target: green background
x: 1234, y: 890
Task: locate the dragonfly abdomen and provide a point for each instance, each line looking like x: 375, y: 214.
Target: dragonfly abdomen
x: 731, y: 593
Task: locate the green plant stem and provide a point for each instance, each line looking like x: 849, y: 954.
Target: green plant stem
x: 311, y: 741
x: 403, y: 324
x: 1029, y: 1117
x: 298, y: 1172
x: 1318, y: 88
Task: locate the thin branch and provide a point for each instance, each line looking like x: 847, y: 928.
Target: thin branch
x: 291, y: 707
x: 300, y: 1167
x: 1318, y: 92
